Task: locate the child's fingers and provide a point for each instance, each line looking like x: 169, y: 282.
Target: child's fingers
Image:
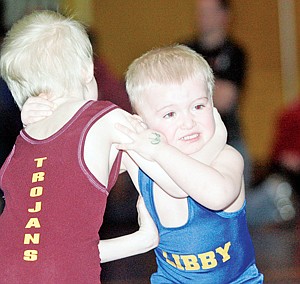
x: 129, y: 133
x: 133, y: 134
x: 143, y: 125
x: 32, y: 116
x: 137, y: 123
x: 40, y: 113
x: 138, y: 120
x: 139, y: 126
x: 124, y: 129
x: 39, y: 103
x: 38, y: 107
x: 32, y: 119
x: 36, y: 119
x: 43, y: 95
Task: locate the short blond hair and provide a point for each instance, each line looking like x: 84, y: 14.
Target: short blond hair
x: 45, y: 52
x: 166, y: 65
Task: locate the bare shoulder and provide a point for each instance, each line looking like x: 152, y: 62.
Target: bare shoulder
x: 229, y: 150
x: 119, y: 113
x: 230, y: 158
x: 100, y: 141
x: 107, y: 124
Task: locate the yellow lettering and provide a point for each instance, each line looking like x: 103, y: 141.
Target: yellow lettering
x: 36, y: 191
x: 33, y: 222
x: 224, y: 251
x: 37, y: 208
x: 208, y: 260
x: 30, y: 255
x: 39, y: 161
x: 167, y: 260
x: 177, y: 261
x: 39, y: 176
x: 35, y: 239
x: 190, y: 262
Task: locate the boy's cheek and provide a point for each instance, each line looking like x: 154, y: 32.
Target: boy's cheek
x: 162, y: 129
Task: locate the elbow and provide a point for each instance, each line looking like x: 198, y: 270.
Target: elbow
x: 151, y: 242
x: 221, y: 199
x: 155, y: 242
x: 226, y: 199
x: 218, y: 205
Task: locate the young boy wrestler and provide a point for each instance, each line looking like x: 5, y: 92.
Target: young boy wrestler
x: 56, y: 179
x: 203, y: 231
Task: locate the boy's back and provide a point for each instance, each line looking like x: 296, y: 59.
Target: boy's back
x: 49, y: 183
x: 58, y: 176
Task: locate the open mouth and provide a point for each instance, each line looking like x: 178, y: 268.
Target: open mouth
x: 190, y: 137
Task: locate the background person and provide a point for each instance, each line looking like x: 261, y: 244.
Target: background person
x: 228, y: 62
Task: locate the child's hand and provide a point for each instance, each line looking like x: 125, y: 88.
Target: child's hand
x: 145, y: 142
x: 220, y: 134
x: 146, y: 223
x: 216, y: 144
x: 36, y: 109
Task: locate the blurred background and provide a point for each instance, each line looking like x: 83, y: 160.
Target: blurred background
x: 269, y: 33
x: 268, y: 30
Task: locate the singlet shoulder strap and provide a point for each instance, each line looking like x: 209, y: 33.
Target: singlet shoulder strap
x: 146, y: 189
x: 96, y: 110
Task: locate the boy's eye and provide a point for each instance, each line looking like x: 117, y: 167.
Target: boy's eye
x: 198, y: 107
x: 169, y: 115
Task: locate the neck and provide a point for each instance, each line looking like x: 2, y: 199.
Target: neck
x: 65, y: 108
x: 66, y: 100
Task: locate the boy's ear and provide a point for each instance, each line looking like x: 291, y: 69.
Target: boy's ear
x: 88, y: 73
x: 212, y: 100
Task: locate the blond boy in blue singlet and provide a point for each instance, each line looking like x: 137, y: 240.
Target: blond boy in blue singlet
x: 203, y: 231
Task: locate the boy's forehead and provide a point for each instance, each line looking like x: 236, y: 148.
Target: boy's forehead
x: 197, y: 86
x: 163, y: 95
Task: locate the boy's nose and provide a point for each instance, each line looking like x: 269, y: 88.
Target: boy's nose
x: 188, y: 121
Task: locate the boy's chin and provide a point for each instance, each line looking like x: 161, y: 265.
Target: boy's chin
x: 191, y: 149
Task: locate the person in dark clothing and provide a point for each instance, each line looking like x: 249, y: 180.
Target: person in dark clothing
x: 228, y: 61
x: 10, y: 120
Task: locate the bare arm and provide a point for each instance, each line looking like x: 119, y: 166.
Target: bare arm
x: 216, y: 186
x: 145, y: 239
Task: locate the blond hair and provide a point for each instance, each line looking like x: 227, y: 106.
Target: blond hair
x: 45, y: 52
x: 166, y: 65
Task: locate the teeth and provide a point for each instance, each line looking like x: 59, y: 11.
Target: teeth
x: 190, y: 137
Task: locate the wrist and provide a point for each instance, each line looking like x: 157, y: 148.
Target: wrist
x: 160, y: 151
